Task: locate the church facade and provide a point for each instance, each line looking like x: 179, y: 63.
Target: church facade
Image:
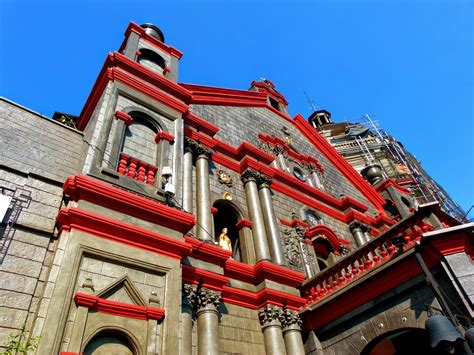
x: 173, y: 218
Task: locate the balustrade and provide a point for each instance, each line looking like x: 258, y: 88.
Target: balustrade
x: 136, y: 169
x: 367, y: 258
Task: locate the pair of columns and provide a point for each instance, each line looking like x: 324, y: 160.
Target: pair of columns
x: 281, y: 327
x: 281, y: 330
x: 265, y: 231
x: 361, y: 233
x: 266, y: 235
x: 202, y: 304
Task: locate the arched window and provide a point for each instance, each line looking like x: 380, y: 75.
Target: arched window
x: 227, y: 217
x: 151, y: 60
x: 324, y: 252
x: 400, y: 341
x: 110, y: 342
x: 140, y: 154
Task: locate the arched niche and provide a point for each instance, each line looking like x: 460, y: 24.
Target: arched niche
x: 111, y: 341
x: 151, y: 60
x: 227, y: 216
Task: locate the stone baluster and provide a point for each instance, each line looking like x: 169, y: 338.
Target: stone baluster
x: 291, y: 324
x: 269, y: 217
x: 249, y: 178
x: 271, y: 328
x: 208, y: 302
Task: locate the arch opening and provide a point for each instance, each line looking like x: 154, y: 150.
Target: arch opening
x: 110, y: 342
x: 151, y: 60
x: 400, y: 341
x: 227, y: 217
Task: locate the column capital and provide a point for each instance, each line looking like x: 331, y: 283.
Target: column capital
x: 264, y: 181
x: 249, y: 175
x: 269, y: 315
x: 198, y: 150
x: 208, y: 300
x: 189, y: 294
x: 290, y: 320
x: 357, y: 225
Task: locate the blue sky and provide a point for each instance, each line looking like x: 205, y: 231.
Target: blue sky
x: 409, y: 64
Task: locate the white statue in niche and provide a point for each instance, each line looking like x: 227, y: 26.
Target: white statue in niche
x: 224, y: 241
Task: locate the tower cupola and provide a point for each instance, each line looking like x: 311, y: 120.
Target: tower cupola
x: 153, y: 31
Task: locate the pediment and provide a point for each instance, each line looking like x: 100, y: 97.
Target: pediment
x: 122, y: 290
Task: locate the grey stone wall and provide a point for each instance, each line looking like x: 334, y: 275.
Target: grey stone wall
x: 37, y: 156
x: 238, y: 124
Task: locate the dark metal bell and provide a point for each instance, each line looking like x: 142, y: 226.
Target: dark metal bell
x: 470, y: 337
x: 441, y: 329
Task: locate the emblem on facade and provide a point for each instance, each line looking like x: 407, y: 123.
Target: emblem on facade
x: 227, y: 196
x: 287, y: 136
x: 224, y: 178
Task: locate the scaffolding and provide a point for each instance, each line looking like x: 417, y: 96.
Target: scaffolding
x: 404, y: 167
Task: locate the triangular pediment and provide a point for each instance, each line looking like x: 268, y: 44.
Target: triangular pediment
x: 124, y: 291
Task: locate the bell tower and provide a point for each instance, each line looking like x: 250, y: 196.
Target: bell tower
x: 146, y: 45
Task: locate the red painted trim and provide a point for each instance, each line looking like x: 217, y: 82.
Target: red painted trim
x: 263, y: 270
x: 208, y: 252
x: 339, y: 162
x: 270, y: 90
x: 133, y: 27
x: 221, y: 96
x: 293, y: 223
x: 200, y: 124
x: 85, y: 188
x: 389, y: 182
x: 148, y: 90
x: 125, y: 117
x: 243, y: 223
x: 148, y: 75
x: 205, y: 278
x: 246, y: 149
x: 239, y: 297
x: 335, y: 241
x: 164, y: 135
x: 120, y: 309
x: 101, y: 226
x: 214, y: 210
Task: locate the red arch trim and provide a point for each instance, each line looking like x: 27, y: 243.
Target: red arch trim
x: 333, y: 239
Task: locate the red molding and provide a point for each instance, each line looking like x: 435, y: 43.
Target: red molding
x: 205, y: 278
x: 246, y: 149
x: 101, y: 226
x: 214, y: 210
x: 208, y: 252
x: 80, y: 187
x: 335, y: 241
x: 339, y: 162
x: 164, y: 135
x: 293, y: 223
x: 133, y: 27
x: 148, y: 90
x: 118, y: 308
x: 265, y: 88
x: 389, y: 182
x: 200, y: 124
x: 221, y: 96
x: 262, y: 270
x: 125, y: 117
x: 243, y: 223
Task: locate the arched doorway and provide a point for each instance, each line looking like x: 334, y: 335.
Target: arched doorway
x: 110, y: 342
x: 227, y: 216
x: 324, y: 252
x: 405, y: 341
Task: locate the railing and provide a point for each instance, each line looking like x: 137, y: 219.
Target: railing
x: 377, y: 252
x: 136, y: 169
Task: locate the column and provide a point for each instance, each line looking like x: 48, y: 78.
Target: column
x: 188, y: 176
x: 187, y: 308
x: 271, y: 328
x: 249, y: 178
x: 203, y: 201
x: 208, y: 302
x: 357, y: 231
x: 309, y: 260
x: 273, y: 234
x: 291, y: 324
